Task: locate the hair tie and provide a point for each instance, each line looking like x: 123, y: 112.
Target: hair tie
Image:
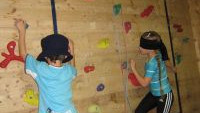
x: 148, y: 34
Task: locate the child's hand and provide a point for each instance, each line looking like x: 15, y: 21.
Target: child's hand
x: 20, y: 25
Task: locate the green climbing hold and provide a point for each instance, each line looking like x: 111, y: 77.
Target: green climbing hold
x: 185, y: 39
x: 117, y: 9
x: 178, y: 58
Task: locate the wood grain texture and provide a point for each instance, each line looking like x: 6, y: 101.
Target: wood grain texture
x: 87, y: 23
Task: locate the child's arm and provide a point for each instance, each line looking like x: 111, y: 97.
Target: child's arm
x: 137, y: 87
x: 144, y: 81
x: 170, y: 66
x: 20, y: 24
x: 71, y: 50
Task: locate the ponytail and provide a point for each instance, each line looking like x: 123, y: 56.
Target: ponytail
x: 163, y: 51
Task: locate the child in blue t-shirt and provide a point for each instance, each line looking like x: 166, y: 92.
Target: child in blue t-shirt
x: 50, y: 71
x: 160, y: 94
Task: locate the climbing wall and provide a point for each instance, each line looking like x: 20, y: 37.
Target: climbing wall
x: 106, y: 36
x: 195, y: 15
x: 184, y: 46
x: 18, y: 92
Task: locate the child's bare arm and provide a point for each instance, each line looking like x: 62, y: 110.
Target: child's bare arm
x: 170, y: 66
x: 20, y: 25
x: 144, y: 81
x: 71, y: 50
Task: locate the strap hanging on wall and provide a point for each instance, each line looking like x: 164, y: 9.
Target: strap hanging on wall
x: 53, y: 10
x: 174, y: 63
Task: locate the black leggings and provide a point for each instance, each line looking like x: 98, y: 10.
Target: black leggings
x: 163, y: 103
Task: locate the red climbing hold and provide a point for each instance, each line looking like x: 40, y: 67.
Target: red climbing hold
x: 127, y: 26
x: 9, y: 57
x: 88, y: 69
x: 133, y: 79
x: 147, y: 11
x: 178, y: 27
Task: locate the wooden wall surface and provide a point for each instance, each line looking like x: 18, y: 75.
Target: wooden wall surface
x: 100, y: 41
x: 195, y: 21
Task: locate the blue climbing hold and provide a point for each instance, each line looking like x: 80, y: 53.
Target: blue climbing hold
x: 100, y: 87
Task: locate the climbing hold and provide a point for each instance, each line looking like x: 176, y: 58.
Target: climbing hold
x: 31, y: 97
x: 26, y: 26
x: 104, y: 43
x: 178, y: 58
x: 185, y: 39
x: 94, y: 109
x: 117, y: 9
x: 124, y: 65
x: 133, y: 79
x: 88, y: 69
x: 147, y: 11
x: 11, y: 56
x: 178, y: 27
x: 127, y: 26
x: 100, y: 87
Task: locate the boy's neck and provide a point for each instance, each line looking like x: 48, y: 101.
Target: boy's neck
x: 56, y: 64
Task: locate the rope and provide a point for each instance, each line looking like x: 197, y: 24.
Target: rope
x: 53, y: 10
x: 172, y: 49
x: 124, y: 74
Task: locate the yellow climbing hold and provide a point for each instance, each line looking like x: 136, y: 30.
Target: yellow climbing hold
x: 104, y: 43
x: 31, y: 97
x: 94, y: 109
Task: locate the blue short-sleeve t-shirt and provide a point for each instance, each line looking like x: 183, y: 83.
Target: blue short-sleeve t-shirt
x: 54, y: 84
x: 152, y: 71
